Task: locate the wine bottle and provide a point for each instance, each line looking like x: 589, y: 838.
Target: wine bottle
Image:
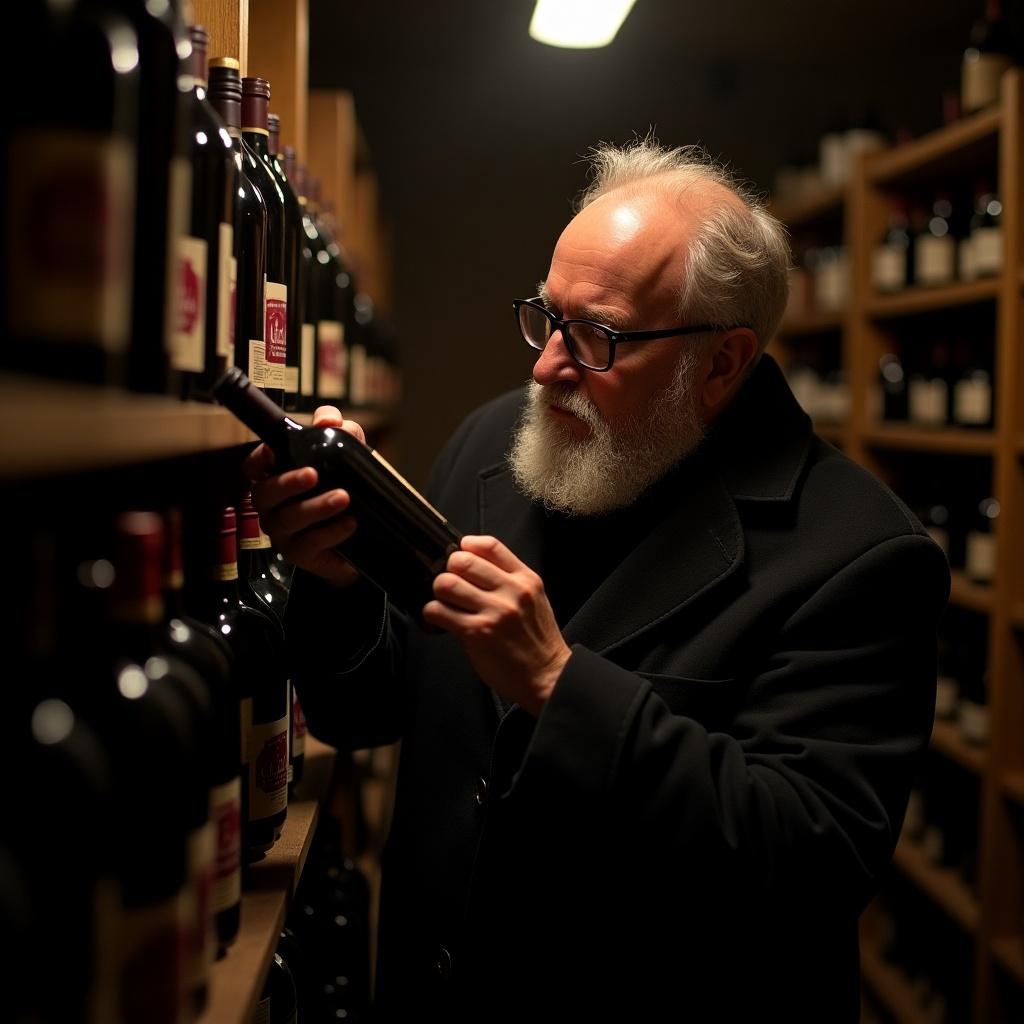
x: 935, y: 246
x: 988, y: 55
x: 929, y: 391
x: 980, y: 559
x: 314, y: 259
x: 250, y: 255
x: 200, y: 647
x: 278, y: 1002
x: 893, y: 406
x: 972, y: 392
x: 402, y: 542
x: 985, y: 242
x: 204, y: 285
x: 889, y: 258
x: 254, y: 640
x: 295, y: 268
x: 267, y: 366
x: 68, y: 188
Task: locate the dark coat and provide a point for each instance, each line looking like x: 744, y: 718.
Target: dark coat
x: 691, y: 828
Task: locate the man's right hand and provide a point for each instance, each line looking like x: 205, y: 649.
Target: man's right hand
x: 305, y: 530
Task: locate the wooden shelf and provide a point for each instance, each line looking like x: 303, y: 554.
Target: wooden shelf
x: 944, y: 441
x: 49, y: 427
x: 969, y: 142
x: 945, y: 887
x: 823, y: 205
x: 946, y: 739
x: 835, y: 433
x: 976, y: 597
x: 930, y: 300
x: 890, y: 987
x: 811, y: 323
x: 1013, y: 786
x: 1009, y: 952
x: 237, y: 979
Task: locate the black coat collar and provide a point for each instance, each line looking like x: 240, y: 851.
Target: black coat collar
x: 755, y: 452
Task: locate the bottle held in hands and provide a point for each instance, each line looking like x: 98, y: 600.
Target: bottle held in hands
x: 402, y: 542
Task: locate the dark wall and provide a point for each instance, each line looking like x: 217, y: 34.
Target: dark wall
x: 477, y: 133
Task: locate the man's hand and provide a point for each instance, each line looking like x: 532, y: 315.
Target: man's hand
x: 305, y: 530
x: 496, y: 606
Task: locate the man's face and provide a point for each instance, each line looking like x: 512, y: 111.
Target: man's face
x: 592, y: 442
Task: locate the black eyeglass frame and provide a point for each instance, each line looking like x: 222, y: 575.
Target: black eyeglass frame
x: 614, y: 337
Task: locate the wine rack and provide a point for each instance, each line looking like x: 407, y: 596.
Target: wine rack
x: 991, y: 913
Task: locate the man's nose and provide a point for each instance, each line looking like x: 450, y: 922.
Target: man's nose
x: 555, y: 363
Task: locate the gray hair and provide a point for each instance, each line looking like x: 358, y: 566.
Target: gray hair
x: 737, y: 262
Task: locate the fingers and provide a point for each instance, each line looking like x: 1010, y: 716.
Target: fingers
x: 457, y: 593
x: 303, y: 514
x: 492, y: 550
x: 443, y: 616
x: 329, y: 416
x: 268, y: 494
x: 311, y: 545
x: 259, y: 464
x: 481, y: 573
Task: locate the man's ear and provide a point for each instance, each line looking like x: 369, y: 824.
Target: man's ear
x: 732, y: 353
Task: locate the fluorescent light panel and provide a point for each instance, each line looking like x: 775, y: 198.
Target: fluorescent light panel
x: 578, y: 23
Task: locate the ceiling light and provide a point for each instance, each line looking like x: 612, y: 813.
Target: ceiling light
x: 578, y: 23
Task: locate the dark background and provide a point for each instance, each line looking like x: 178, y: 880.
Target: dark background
x: 477, y: 133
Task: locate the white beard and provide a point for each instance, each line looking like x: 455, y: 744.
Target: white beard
x: 606, y: 470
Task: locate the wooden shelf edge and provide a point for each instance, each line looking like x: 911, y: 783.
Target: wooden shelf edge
x: 826, y: 202
x: 942, y: 441
x: 892, y: 164
x: 1009, y: 952
x: 890, y: 987
x: 1013, y: 786
x: 236, y: 980
x: 943, y: 885
x: 926, y: 300
x: 946, y: 739
x: 974, y: 596
x: 810, y: 323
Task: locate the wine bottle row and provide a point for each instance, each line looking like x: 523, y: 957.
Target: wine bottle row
x: 155, y: 740
x: 155, y: 232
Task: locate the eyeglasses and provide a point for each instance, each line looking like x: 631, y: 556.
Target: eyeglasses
x: 591, y: 345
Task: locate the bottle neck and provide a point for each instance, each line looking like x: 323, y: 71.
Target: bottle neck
x: 256, y: 138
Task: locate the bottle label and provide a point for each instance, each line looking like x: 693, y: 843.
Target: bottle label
x: 331, y: 356
x: 233, y: 311
x: 202, y: 851
x: 928, y: 401
x: 934, y: 259
x: 226, y: 814
x: 889, y: 268
x: 308, y: 355
x: 980, y: 561
x: 275, y: 332
x: 291, y: 380
x: 980, y: 79
x: 267, y: 747
x: 987, y: 251
x: 69, y: 207
x: 227, y: 268
x: 972, y: 402
x: 179, y: 202
x: 189, y: 338
x: 299, y: 729
x: 974, y: 721
x: 947, y: 693
x: 257, y: 363
x: 154, y: 943
x: 358, y: 375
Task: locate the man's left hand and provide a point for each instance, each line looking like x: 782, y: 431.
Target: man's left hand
x: 496, y: 606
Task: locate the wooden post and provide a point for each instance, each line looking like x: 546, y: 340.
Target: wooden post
x: 332, y: 151
x: 227, y: 21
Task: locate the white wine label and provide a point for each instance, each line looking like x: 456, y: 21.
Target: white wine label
x: 308, y: 341
x: 331, y: 358
x: 234, y: 306
x: 972, y: 402
x: 275, y: 332
x: 358, y: 375
x: 889, y: 268
x: 980, y: 562
x: 405, y: 483
x: 226, y: 814
x: 934, y: 259
x: 188, y: 340
x: 267, y: 747
x: 987, y: 251
x: 291, y: 380
x: 299, y: 728
x: 152, y: 960
x: 68, y: 204
x: 179, y: 202
x: 980, y: 77
x: 928, y: 401
x: 227, y: 269
x: 257, y: 363
x: 974, y: 722
x: 947, y: 693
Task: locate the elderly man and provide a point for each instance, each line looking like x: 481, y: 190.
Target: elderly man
x: 657, y: 752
